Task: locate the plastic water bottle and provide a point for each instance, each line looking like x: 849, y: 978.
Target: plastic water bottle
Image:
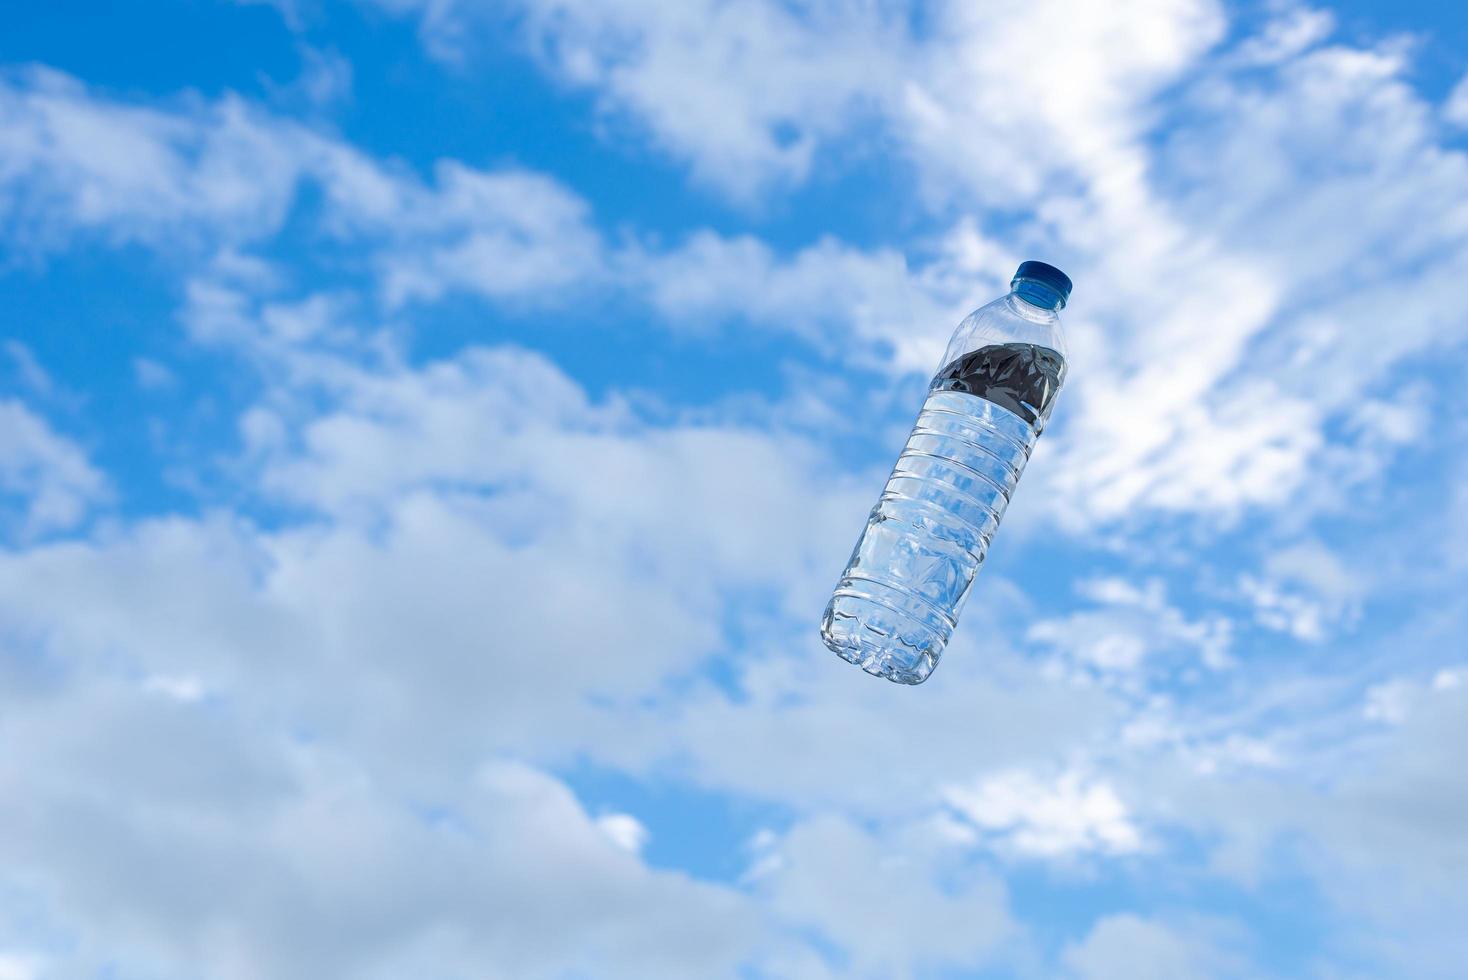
x: 898, y: 601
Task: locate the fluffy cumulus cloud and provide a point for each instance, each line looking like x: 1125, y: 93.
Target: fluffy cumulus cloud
x: 825, y: 871
x: 72, y: 164
x: 1048, y: 819
x: 1128, y: 946
x: 341, y: 688
x: 127, y: 833
x: 236, y: 691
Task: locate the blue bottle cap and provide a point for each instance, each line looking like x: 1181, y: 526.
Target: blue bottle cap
x: 1046, y: 273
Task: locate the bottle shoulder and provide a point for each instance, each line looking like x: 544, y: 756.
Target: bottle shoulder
x: 1007, y: 321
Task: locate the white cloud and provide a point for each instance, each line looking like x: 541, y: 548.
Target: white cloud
x: 152, y: 375
x: 749, y: 93
x: 754, y: 94
x: 482, y: 512
x: 1389, y: 702
x: 48, y: 479
x: 19, y: 966
x: 1455, y: 109
x: 30, y: 371
x: 1369, y: 813
x: 1395, y: 854
x: 178, y: 687
x: 1130, y: 947
x: 1337, y: 142
x: 1069, y: 816
x: 985, y: 119
x: 1292, y: 30
x: 216, y: 176
x: 1243, y: 290
x: 833, y: 877
x: 69, y: 162
x: 1307, y: 591
x: 853, y: 302
x: 502, y: 235
x: 130, y: 825
x: 1397, y: 700
x: 326, y: 77
x: 1132, y: 624
x: 773, y: 738
x: 624, y: 830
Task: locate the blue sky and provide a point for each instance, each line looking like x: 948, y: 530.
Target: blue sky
x: 430, y: 430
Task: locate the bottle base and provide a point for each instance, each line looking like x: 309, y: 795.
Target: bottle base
x: 880, y: 640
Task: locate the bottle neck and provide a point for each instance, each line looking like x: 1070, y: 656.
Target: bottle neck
x: 1045, y: 299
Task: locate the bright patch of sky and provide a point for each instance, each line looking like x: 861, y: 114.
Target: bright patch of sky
x: 429, y: 431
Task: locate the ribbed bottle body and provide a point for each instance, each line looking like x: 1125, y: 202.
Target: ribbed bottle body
x: 898, y: 601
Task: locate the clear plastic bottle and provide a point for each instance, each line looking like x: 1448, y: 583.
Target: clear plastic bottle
x: 898, y: 601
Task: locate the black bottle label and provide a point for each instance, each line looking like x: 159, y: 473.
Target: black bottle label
x: 1020, y: 377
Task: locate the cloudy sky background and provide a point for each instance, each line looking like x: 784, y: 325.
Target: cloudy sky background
x: 429, y: 431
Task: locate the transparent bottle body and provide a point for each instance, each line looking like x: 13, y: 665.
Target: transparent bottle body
x: 896, y: 605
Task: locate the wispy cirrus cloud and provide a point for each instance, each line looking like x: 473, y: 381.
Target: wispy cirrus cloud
x: 1455, y: 109
x: 47, y: 483
x: 1172, y: 170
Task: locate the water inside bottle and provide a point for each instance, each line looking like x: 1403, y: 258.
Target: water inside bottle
x: 897, y: 603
